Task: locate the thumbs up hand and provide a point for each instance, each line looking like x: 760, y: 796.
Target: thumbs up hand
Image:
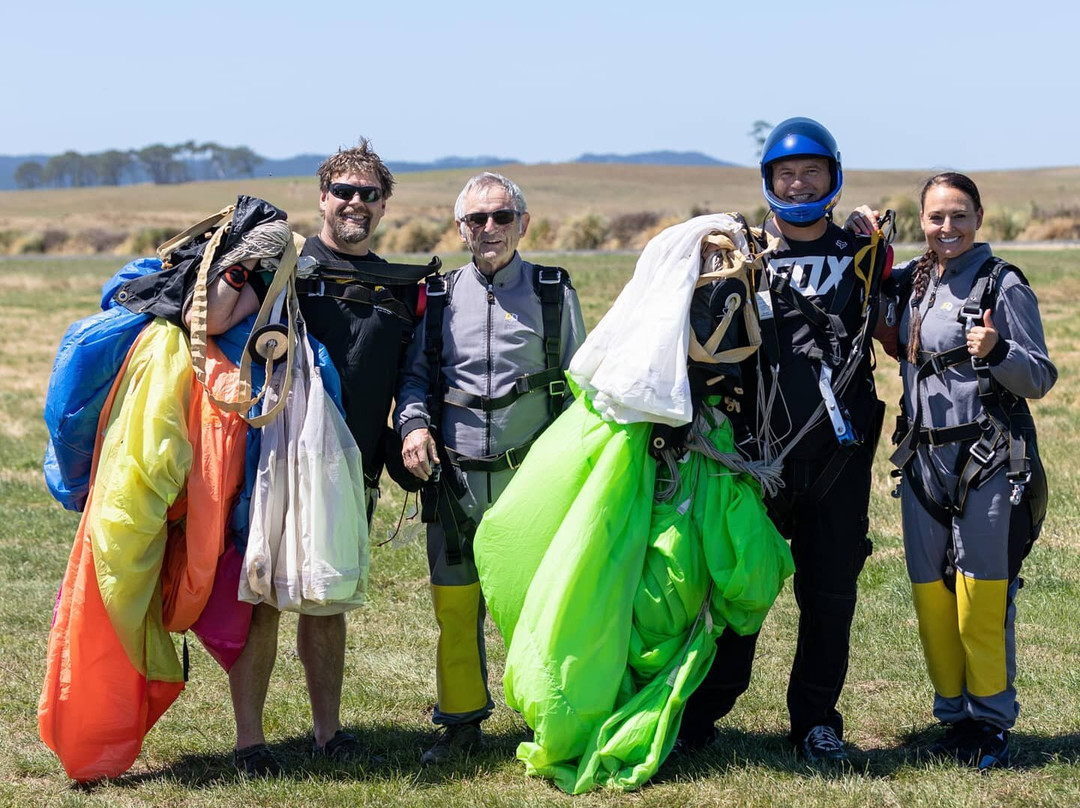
x: 981, y: 339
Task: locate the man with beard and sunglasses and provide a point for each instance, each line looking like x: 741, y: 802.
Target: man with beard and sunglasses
x: 483, y: 380
x: 366, y: 327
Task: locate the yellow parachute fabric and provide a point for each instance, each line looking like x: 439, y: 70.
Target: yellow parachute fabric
x: 144, y: 463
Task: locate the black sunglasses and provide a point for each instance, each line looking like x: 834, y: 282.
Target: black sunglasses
x: 345, y: 192
x: 500, y: 217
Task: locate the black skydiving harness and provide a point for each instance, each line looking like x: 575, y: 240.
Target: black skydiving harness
x: 441, y: 496
x: 1003, y: 433
x: 837, y: 368
x: 341, y: 280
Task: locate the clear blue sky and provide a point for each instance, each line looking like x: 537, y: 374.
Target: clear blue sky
x: 923, y: 84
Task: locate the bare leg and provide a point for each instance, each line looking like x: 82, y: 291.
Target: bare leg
x: 249, y: 678
x: 320, y: 641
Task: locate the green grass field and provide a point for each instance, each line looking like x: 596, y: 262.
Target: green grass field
x: 390, y: 678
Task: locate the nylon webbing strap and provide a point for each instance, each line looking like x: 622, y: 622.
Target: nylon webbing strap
x: 376, y: 273
x: 549, y: 279
x: 446, y: 492
x: 214, y: 220
x: 437, y: 289
x: 197, y: 333
x: 510, y: 459
x: 354, y: 292
x: 877, y: 241
x: 996, y: 436
x: 457, y: 526
x: 706, y: 352
x: 283, y: 283
x: 523, y: 385
x: 827, y: 323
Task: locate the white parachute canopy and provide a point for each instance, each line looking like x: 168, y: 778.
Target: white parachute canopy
x: 633, y: 364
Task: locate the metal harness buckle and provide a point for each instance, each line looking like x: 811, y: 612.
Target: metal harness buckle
x: 1019, y: 482
x: 982, y: 454
x: 511, y: 461
x: 937, y: 363
x: 549, y: 275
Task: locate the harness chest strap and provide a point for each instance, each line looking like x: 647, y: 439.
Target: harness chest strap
x: 354, y: 292
x: 1001, y: 426
x: 549, y: 283
x: 442, y: 500
x: 875, y: 257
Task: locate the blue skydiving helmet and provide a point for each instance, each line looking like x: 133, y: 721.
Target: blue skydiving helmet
x: 801, y: 137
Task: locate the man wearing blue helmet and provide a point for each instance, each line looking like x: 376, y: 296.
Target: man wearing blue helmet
x: 814, y: 412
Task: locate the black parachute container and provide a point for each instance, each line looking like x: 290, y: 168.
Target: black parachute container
x: 165, y: 293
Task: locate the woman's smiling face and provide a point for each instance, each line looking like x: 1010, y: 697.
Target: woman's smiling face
x: 949, y: 220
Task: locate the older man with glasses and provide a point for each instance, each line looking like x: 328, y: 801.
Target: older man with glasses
x: 484, y: 379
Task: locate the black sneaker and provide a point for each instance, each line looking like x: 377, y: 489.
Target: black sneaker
x: 822, y: 745
x: 257, y: 761
x: 346, y: 748
x: 960, y: 741
x: 455, y: 740
x: 689, y: 744
x: 993, y: 749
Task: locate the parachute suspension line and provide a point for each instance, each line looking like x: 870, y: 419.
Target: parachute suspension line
x: 704, y: 615
x: 768, y: 473
x: 667, y: 484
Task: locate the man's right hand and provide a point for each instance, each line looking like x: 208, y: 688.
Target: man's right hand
x: 419, y: 453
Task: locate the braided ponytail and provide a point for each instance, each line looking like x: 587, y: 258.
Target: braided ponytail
x: 920, y: 282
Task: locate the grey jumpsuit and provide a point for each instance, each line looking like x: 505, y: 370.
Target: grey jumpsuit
x: 492, y: 333
x: 968, y: 635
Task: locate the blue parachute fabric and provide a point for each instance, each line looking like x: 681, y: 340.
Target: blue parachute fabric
x: 130, y: 270
x: 90, y: 354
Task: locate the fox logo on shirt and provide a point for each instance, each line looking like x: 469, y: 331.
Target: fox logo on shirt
x: 813, y: 275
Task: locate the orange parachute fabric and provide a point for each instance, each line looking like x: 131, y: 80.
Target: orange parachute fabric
x: 198, y: 521
x: 112, y: 669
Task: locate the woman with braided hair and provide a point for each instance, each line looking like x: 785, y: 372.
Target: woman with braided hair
x: 973, y: 498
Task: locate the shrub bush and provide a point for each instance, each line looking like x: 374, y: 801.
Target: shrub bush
x: 588, y: 232
x: 1002, y: 225
x: 449, y: 241
x: 146, y: 240
x: 541, y: 235
x: 30, y: 244
x: 626, y: 229
x: 414, y: 236
x: 98, y: 240
x: 54, y: 239
x: 1052, y: 228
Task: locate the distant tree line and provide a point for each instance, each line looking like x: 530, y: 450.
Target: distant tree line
x: 160, y: 164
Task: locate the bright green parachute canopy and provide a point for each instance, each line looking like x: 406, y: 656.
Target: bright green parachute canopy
x: 609, y: 602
